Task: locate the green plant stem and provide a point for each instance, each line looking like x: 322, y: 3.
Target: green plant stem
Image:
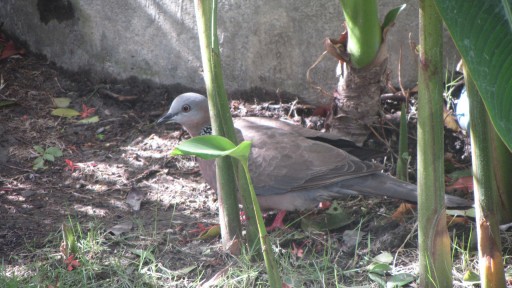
x: 364, y: 31
x: 222, y: 123
x: 434, y: 241
x: 487, y: 214
x: 266, y: 247
x: 502, y: 164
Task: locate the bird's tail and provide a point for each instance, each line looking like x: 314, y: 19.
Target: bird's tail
x: 386, y: 186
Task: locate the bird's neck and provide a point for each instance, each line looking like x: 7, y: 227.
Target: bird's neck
x: 206, y: 130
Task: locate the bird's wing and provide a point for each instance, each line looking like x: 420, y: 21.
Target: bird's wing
x: 328, y: 138
x: 282, y: 161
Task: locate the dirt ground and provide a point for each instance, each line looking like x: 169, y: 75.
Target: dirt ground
x: 121, y: 153
x: 133, y: 152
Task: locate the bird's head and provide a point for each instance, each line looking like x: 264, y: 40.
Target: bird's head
x: 190, y: 110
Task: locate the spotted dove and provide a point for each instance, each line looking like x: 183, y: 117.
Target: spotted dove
x: 290, y: 168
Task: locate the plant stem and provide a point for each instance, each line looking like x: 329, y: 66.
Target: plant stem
x: 364, y: 31
x: 434, y: 241
x: 489, y: 242
x: 222, y: 123
x: 266, y: 247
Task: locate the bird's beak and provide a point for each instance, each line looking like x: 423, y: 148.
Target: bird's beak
x: 167, y: 118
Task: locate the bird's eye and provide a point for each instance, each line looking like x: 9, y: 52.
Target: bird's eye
x: 185, y: 108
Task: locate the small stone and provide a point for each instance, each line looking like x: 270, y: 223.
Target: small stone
x: 28, y: 193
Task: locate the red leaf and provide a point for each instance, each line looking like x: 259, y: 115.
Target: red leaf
x: 297, y: 250
x: 86, y: 111
x: 71, y: 166
x: 71, y: 262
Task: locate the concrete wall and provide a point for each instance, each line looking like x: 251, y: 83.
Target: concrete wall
x: 267, y: 44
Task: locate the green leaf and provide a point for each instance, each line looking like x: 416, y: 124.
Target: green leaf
x: 379, y: 268
x: 65, y: 112
x: 61, y: 102
x: 183, y: 271
x: 89, y: 120
x: 384, y: 257
x: 5, y: 103
x: 335, y: 217
x: 38, y: 163
x: 482, y: 34
x: 508, y: 11
x: 48, y: 157
x: 69, y: 236
x: 39, y: 149
x: 213, y: 232
x: 464, y: 213
x: 54, y: 151
x: 471, y: 277
x: 242, y: 151
x: 399, y: 280
x: 211, y: 147
x: 380, y: 280
x: 391, y: 16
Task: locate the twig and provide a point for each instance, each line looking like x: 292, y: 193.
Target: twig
x: 58, y: 84
x: 18, y: 168
x: 378, y: 136
x: 117, y: 96
x: 405, y: 241
x: 311, y: 81
x: 81, y: 196
x: 292, y: 107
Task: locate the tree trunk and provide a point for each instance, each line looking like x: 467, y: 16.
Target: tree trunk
x: 357, y: 101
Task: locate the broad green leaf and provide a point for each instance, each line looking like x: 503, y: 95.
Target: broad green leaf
x: 54, y: 151
x: 39, y: 149
x: 61, y: 102
x: 400, y: 280
x: 242, y: 151
x: 89, y: 120
x: 380, y: 280
x: 483, y: 36
x: 211, y: 147
x: 379, y: 268
x: 384, y: 257
x: 48, y: 157
x: 213, y: 232
x: 390, y: 17
x: 38, y: 163
x: 508, y: 11
x: 65, y: 112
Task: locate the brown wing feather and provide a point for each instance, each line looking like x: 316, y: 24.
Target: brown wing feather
x: 282, y: 161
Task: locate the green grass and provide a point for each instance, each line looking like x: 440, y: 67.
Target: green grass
x: 105, y: 261
x: 142, y: 258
